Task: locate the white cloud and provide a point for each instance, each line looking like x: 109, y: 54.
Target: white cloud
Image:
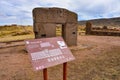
x: 18, y: 10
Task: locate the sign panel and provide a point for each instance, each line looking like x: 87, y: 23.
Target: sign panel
x: 47, y: 52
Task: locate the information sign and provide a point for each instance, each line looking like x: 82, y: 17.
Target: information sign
x: 47, y: 52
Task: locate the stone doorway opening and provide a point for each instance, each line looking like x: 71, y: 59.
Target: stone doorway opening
x: 60, y: 30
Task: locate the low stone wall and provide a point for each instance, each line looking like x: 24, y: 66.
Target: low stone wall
x: 104, y: 31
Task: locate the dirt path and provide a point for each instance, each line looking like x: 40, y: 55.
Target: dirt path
x: 89, y: 46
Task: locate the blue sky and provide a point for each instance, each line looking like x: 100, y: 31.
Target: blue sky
x: 20, y: 11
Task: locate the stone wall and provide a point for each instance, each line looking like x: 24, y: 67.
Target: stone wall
x: 104, y: 31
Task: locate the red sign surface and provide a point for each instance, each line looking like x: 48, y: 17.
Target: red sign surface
x: 47, y: 52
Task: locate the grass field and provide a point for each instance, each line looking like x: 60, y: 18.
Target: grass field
x: 13, y: 33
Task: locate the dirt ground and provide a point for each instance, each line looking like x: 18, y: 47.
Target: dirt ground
x: 97, y: 58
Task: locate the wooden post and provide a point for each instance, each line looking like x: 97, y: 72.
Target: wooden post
x: 45, y: 76
x: 65, y: 71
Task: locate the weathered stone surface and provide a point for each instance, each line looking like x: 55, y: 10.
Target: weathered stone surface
x: 71, y: 34
x: 46, y: 20
x: 88, y: 27
x: 44, y: 30
x: 55, y: 15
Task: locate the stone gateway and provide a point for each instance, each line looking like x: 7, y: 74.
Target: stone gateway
x: 45, y: 21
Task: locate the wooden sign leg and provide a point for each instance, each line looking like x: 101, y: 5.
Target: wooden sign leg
x: 45, y: 76
x: 65, y: 71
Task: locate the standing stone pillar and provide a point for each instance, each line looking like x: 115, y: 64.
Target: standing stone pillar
x: 88, y: 27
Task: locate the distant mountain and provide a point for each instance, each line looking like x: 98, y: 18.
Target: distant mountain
x: 110, y: 22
